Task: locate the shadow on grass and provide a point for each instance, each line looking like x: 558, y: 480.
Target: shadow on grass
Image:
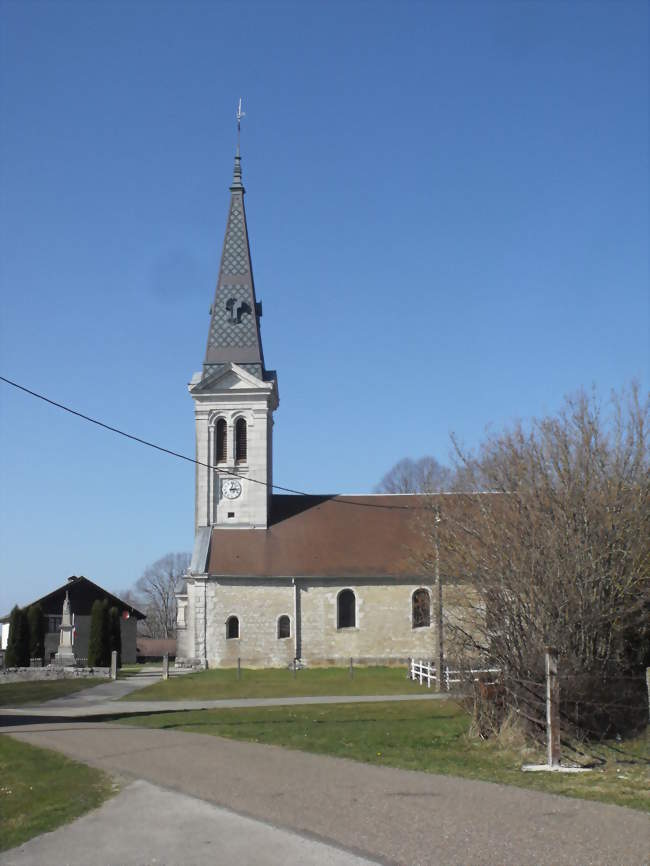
x: 263, y: 720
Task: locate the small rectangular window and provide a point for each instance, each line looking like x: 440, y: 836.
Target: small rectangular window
x: 231, y: 514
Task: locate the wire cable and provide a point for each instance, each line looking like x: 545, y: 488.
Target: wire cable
x: 339, y: 500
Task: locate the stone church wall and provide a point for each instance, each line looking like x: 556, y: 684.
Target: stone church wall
x: 383, y: 629
x: 258, y: 608
x: 383, y: 623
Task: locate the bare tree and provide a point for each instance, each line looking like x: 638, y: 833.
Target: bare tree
x: 554, y: 547
x: 157, y: 587
x: 128, y: 596
x: 425, y: 475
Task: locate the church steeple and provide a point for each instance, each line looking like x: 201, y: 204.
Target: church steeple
x: 234, y: 395
x: 234, y: 334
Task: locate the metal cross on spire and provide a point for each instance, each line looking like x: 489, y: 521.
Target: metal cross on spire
x: 239, y: 116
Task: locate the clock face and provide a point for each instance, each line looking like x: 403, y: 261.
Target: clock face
x: 231, y: 488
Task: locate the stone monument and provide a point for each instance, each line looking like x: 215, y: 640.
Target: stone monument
x: 65, y: 655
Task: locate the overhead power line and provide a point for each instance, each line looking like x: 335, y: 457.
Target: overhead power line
x: 180, y: 456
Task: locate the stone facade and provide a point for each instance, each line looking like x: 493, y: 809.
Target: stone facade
x: 235, y: 394
x: 383, y: 631
x: 28, y: 675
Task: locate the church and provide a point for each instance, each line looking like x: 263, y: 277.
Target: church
x: 276, y: 578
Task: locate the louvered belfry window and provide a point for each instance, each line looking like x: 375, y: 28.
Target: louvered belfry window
x: 222, y: 441
x: 240, y: 441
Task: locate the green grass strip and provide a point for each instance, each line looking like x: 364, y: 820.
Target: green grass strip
x: 41, y: 789
x: 39, y: 691
x: 222, y: 683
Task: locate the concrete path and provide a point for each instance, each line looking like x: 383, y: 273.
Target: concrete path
x: 387, y: 815
x: 111, y: 690
x: 145, y: 824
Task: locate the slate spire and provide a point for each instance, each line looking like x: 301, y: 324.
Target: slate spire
x: 234, y: 333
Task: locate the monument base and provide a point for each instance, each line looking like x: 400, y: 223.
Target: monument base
x: 65, y: 659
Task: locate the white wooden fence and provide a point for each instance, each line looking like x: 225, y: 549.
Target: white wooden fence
x: 425, y: 671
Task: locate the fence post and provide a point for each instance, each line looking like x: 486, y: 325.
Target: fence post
x: 552, y: 708
x: 114, y: 665
x: 165, y: 667
x: 351, y: 668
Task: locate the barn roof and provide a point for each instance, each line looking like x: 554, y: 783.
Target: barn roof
x: 85, y: 591
x: 326, y: 536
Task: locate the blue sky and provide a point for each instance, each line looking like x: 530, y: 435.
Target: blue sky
x: 448, y: 210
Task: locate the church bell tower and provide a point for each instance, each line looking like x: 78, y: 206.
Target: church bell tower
x: 234, y: 394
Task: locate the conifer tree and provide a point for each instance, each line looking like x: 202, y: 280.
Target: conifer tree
x: 106, y: 634
x: 36, y: 621
x: 10, y: 653
x: 18, y: 642
x: 97, y: 642
x: 115, y: 634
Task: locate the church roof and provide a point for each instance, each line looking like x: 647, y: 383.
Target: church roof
x: 234, y: 333
x: 326, y: 536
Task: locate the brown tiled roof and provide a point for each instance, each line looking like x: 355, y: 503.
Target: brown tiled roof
x: 325, y: 536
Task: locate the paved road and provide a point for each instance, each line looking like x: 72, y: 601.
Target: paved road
x: 387, y: 815
x: 145, y: 824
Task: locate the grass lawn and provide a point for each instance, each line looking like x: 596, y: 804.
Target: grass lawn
x: 428, y: 736
x: 278, y: 682
x: 20, y: 694
x: 41, y: 789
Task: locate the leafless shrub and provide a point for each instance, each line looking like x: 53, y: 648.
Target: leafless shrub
x: 425, y: 475
x: 554, y: 545
x: 157, y: 587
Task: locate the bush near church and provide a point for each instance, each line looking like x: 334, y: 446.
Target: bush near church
x: 114, y: 635
x: 17, y: 655
x: 36, y: 623
x: 98, y: 646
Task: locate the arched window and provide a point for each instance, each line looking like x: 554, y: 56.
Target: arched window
x: 221, y: 442
x: 346, y: 614
x: 421, y: 607
x: 284, y: 627
x: 240, y: 441
x: 232, y: 627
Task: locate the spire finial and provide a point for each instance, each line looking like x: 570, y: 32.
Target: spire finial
x: 236, y: 180
x: 239, y: 116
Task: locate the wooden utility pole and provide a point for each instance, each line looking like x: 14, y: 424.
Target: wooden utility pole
x: 552, y: 708
x: 440, y: 679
